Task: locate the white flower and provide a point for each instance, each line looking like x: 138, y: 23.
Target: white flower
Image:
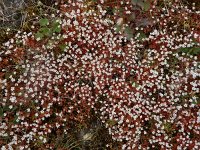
x: 198, y: 117
x: 3, y: 148
x: 123, y: 147
x: 13, y: 99
x: 8, y: 52
x: 76, y: 23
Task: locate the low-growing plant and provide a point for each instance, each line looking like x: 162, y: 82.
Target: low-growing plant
x: 141, y: 80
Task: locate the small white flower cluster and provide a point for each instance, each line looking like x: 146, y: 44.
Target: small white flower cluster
x: 146, y: 92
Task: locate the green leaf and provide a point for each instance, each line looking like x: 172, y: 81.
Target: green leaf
x: 111, y: 122
x: 168, y: 127
x: 140, y: 3
x: 185, y: 49
x: 134, y: 84
x: 141, y: 36
x: 39, y: 35
x: 18, y: 41
x: 44, y: 22
x: 196, y: 50
x: 1, y: 112
x: 146, y: 5
x: 132, y: 17
x: 57, y: 29
x: 6, y: 108
x: 134, y: 2
x: 15, y: 119
x: 195, y: 41
x: 110, y: 10
x: 45, y: 31
x: 128, y: 32
x: 63, y: 47
x: 190, y: 50
x: 118, y: 28
x: 7, y: 75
